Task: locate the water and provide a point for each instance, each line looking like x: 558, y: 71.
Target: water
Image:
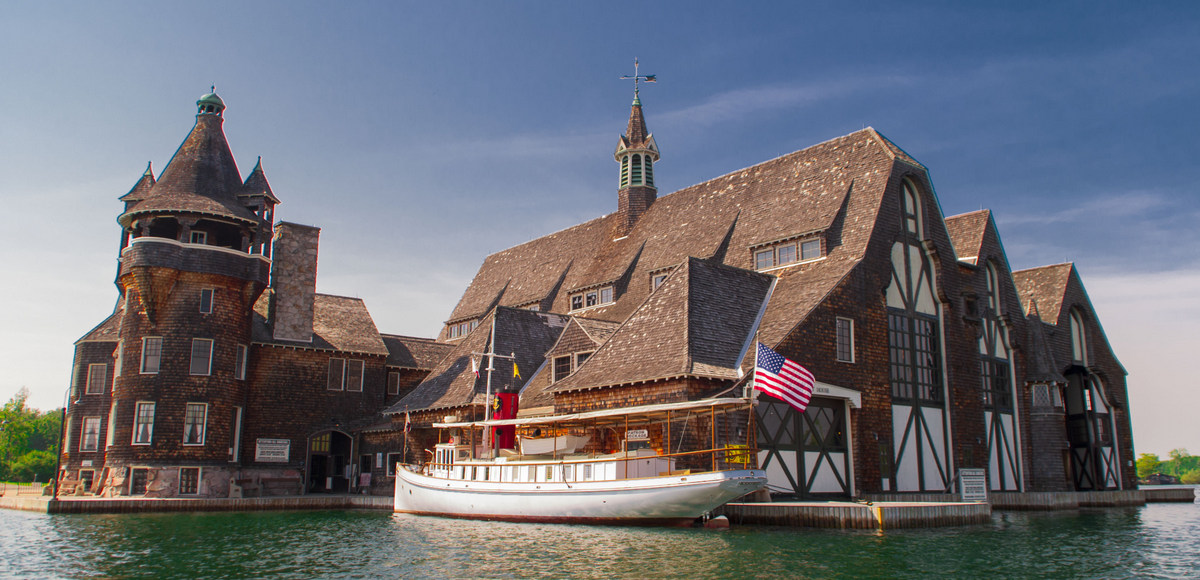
x: 1157, y: 540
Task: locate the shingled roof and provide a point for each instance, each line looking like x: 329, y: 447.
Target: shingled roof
x: 833, y: 189
x: 697, y: 324
x: 411, y: 352
x: 1040, y: 364
x: 966, y: 233
x: 202, y: 177
x: 106, y: 331
x: 339, y: 323
x: 1047, y: 286
x: 451, y: 383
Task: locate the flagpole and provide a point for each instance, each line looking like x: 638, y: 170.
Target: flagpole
x: 487, y: 401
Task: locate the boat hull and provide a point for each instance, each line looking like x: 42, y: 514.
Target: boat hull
x: 667, y: 500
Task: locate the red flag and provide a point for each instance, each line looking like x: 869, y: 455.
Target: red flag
x: 782, y: 378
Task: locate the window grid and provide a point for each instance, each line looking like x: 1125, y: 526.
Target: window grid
x: 143, y: 424
x: 913, y: 357
x: 91, y: 434
x: 201, y: 363
x: 845, y: 339
x: 151, y: 354
x: 206, y: 300
x: 194, y: 423
x: 189, y: 481
x: 996, y: 393
x: 393, y: 383
x: 562, y: 367
x: 97, y: 375
x: 354, y: 375
x: 239, y: 364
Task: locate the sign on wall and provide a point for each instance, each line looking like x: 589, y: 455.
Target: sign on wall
x: 972, y: 484
x: 272, y: 450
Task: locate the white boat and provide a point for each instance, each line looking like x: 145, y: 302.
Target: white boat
x: 635, y: 483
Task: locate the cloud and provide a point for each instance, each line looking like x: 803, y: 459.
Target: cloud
x: 738, y: 104
x: 1125, y: 204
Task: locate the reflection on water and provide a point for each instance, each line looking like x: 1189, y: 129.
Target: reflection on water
x: 1158, y: 540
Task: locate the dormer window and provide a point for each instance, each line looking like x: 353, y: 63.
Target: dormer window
x: 786, y: 253
x: 199, y: 238
x: 461, y: 329
x: 593, y: 297
x: 911, y: 210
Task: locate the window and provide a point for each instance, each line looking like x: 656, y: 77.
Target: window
x: 206, y: 300
x: 1078, y: 339
x: 785, y: 253
x: 392, y: 460
x: 845, y: 339
x: 911, y: 210
x: 189, y: 481
x: 764, y: 259
x: 239, y: 364
x: 393, y: 383
x: 354, y: 375
x: 345, y: 375
x: 201, y: 356
x: 119, y: 354
x: 913, y: 354
x: 199, y: 238
x: 590, y: 298
x: 562, y: 367
x: 151, y: 354
x: 635, y: 175
x: 624, y: 171
x: 112, y: 425
x: 810, y: 250
x: 462, y: 328
x: 143, y: 424
x: 97, y: 373
x: 997, y: 396
x: 194, y: 423
x: 657, y: 281
x: 91, y: 434
x: 87, y: 477
x: 138, y: 478
x: 580, y: 357
x: 320, y: 443
x: 337, y: 370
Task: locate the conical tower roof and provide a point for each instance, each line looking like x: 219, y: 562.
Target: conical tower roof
x: 201, y: 178
x: 141, y: 189
x: 257, y: 184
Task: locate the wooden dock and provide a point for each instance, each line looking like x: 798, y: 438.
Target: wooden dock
x: 858, y: 515
x: 90, y: 505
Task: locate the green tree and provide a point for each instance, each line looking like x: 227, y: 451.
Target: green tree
x: 34, y: 466
x: 1191, y: 477
x: 23, y: 430
x: 1147, y: 463
x: 1179, y: 462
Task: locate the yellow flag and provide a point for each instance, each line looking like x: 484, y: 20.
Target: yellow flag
x: 516, y: 371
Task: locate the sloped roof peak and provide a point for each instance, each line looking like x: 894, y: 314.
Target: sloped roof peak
x: 142, y: 188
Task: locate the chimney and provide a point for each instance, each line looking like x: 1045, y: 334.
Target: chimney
x: 294, y: 281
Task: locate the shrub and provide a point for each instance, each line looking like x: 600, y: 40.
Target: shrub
x: 1191, y: 478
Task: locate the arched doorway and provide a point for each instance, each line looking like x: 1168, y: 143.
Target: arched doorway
x: 329, y: 462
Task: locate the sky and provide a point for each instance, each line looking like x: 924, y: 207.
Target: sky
x: 423, y: 136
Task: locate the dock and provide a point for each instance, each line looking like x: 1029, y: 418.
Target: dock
x: 122, y: 505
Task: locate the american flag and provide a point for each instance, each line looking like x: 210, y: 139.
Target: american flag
x: 782, y: 378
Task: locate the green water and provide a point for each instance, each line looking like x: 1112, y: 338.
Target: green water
x: 1158, y: 540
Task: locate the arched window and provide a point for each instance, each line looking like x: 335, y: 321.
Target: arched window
x: 1078, y: 339
x: 624, y: 171
x: 635, y: 177
x: 911, y: 210
x: 649, y: 171
x: 993, y: 289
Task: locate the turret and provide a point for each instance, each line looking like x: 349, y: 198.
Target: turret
x: 636, y: 153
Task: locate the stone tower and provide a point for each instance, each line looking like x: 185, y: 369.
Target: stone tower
x: 194, y: 258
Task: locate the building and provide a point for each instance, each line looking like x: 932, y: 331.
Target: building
x: 221, y: 368
x: 930, y: 354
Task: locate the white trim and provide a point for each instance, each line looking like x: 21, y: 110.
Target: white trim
x: 827, y: 390
x: 792, y: 264
x: 87, y: 384
x: 136, y: 415
x: 83, y: 433
x: 152, y: 239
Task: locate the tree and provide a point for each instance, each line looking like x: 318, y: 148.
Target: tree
x: 24, y: 430
x: 1179, y: 461
x: 1147, y: 464
x: 1191, y: 477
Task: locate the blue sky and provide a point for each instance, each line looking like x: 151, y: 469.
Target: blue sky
x: 422, y: 136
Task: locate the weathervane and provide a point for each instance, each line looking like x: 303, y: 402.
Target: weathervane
x: 637, y: 78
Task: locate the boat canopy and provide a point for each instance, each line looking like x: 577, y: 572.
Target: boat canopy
x: 605, y: 416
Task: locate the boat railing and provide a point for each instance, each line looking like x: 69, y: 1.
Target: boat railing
x: 727, y: 458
